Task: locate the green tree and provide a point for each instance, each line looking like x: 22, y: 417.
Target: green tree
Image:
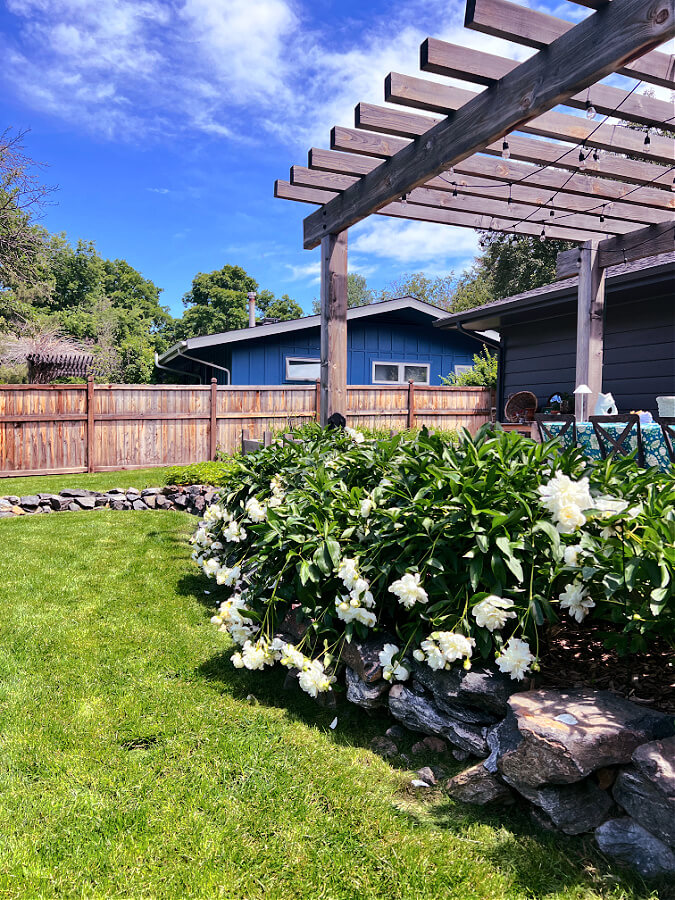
x: 483, y: 373
x: 515, y: 264
x: 216, y: 302
x: 283, y: 308
x: 436, y: 291
x: 358, y: 293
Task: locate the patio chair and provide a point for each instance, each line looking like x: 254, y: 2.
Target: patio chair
x: 566, y: 421
x: 611, y: 445
x: 667, y: 424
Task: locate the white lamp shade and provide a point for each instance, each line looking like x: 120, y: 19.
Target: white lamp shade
x: 583, y: 389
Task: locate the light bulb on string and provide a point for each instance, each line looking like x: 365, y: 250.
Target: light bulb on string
x: 582, y: 161
x: 648, y: 140
x: 404, y: 199
x: 454, y: 190
x: 591, y: 111
x: 542, y: 236
x: 596, y: 155
x: 506, y: 152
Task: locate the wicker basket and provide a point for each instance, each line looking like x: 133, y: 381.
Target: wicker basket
x: 520, y: 407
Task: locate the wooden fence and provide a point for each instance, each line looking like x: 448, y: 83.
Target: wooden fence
x: 52, y: 429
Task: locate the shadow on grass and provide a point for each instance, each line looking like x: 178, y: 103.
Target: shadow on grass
x: 538, y: 862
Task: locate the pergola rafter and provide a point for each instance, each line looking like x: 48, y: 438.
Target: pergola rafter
x: 582, y: 178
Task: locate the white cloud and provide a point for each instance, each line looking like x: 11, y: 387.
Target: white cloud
x: 232, y: 68
x: 438, y: 249
x: 158, y: 190
x: 307, y: 271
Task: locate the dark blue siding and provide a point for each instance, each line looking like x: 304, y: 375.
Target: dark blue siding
x: 381, y: 339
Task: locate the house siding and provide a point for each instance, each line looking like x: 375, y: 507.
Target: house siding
x: 382, y: 340
x: 639, y: 352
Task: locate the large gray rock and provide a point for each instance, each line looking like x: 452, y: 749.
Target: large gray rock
x: 566, y: 735
x: 646, y: 790
x: 420, y: 713
x: 363, y: 657
x: 480, y: 694
x: 76, y: 492
x: 478, y: 786
x: 626, y: 840
x: 573, y: 808
x: 30, y: 502
x: 86, y: 502
x: 368, y: 696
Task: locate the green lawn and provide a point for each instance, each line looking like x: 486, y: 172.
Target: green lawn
x: 99, y: 481
x: 134, y: 763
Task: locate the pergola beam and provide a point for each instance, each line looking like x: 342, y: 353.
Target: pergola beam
x: 599, y: 45
x: 542, y: 153
x: 419, y: 213
x: 478, y: 67
x: 401, y: 89
x: 531, y: 28
x: 538, y: 187
x: 640, y: 244
x: 479, y: 195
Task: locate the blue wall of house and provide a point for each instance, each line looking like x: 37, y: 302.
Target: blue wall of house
x: 380, y: 339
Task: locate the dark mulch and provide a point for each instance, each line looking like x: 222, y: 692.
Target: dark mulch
x: 574, y: 656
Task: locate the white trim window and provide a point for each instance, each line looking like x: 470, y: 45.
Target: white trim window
x: 302, y: 368
x: 387, y: 372
x: 461, y: 369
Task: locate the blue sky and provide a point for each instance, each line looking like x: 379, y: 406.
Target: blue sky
x: 165, y: 124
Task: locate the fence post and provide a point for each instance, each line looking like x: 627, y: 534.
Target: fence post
x: 411, y: 404
x: 318, y: 401
x: 213, y: 429
x: 90, y: 423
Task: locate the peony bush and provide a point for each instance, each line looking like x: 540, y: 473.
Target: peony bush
x: 447, y: 551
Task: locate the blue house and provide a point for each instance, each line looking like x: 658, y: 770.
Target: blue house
x: 391, y: 342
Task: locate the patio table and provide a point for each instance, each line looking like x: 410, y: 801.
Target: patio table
x: 653, y: 444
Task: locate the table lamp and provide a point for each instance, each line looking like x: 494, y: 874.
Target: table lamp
x: 582, y: 390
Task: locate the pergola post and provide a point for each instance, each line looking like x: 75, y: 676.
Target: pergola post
x: 590, y: 325
x: 333, y: 325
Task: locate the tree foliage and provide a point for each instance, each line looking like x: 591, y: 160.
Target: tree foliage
x: 483, y: 372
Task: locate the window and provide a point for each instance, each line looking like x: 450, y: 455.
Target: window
x: 301, y: 369
x: 400, y: 373
x: 461, y: 369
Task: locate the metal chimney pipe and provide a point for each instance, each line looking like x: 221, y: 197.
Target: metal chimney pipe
x: 251, y: 309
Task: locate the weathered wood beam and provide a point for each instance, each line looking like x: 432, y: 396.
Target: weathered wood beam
x: 467, y: 64
x: 531, y: 28
x: 558, y: 126
x: 418, y: 213
x: 542, y: 153
x: 640, y: 244
x: 597, y: 46
x: 479, y: 195
x: 590, y: 327
x: 642, y: 204
x: 333, y: 325
x: 629, y: 247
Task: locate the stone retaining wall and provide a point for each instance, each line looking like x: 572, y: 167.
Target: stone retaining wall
x: 193, y: 499
x: 578, y: 760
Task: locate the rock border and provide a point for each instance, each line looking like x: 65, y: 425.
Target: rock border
x: 192, y: 499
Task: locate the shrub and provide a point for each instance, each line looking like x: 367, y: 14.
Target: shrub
x: 215, y: 473
x: 448, y: 550
x: 483, y: 373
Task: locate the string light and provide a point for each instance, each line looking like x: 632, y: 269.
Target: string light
x: 596, y: 155
x: 404, y: 199
x: 582, y: 161
x: 510, y: 201
x: 542, y: 236
x: 591, y: 111
x: 602, y: 215
x: 506, y: 152
x: 648, y: 140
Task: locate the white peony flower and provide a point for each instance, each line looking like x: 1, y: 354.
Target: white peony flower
x: 569, y: 518
x: 241, y: 633
x: 453, y: 646
x: 313, y: 678
x: 515, y: 659
x: 609, y: 505
x: 227, y: 576
x: 572, y: 555
x: 234, y: 533
x: 214, y: 514
x: 367, y: 506
x: 237, y: 660
x: 576, y: 601
x: 292, y: 658
x: 210, y: 567
x: 392, y: 671
x: 491, y: 613
x: 408, y: 589
x: 257, y: 656
x: 255, y: 510
x: 357, y: 436
x: 350, y: 610
x: 348, y: 572
x: 562, y: 491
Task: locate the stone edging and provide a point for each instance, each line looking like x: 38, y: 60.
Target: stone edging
x: 579, y: 761
x: 192, y: 499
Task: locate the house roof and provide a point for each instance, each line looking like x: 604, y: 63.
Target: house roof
x: 408, y: 304
x: 490, y: 315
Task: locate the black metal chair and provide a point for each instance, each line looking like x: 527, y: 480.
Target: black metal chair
x: 667, y: 424
x: 618, y: 446
x: 566, y: 421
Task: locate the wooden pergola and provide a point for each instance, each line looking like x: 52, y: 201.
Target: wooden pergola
x: 467, y: 158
